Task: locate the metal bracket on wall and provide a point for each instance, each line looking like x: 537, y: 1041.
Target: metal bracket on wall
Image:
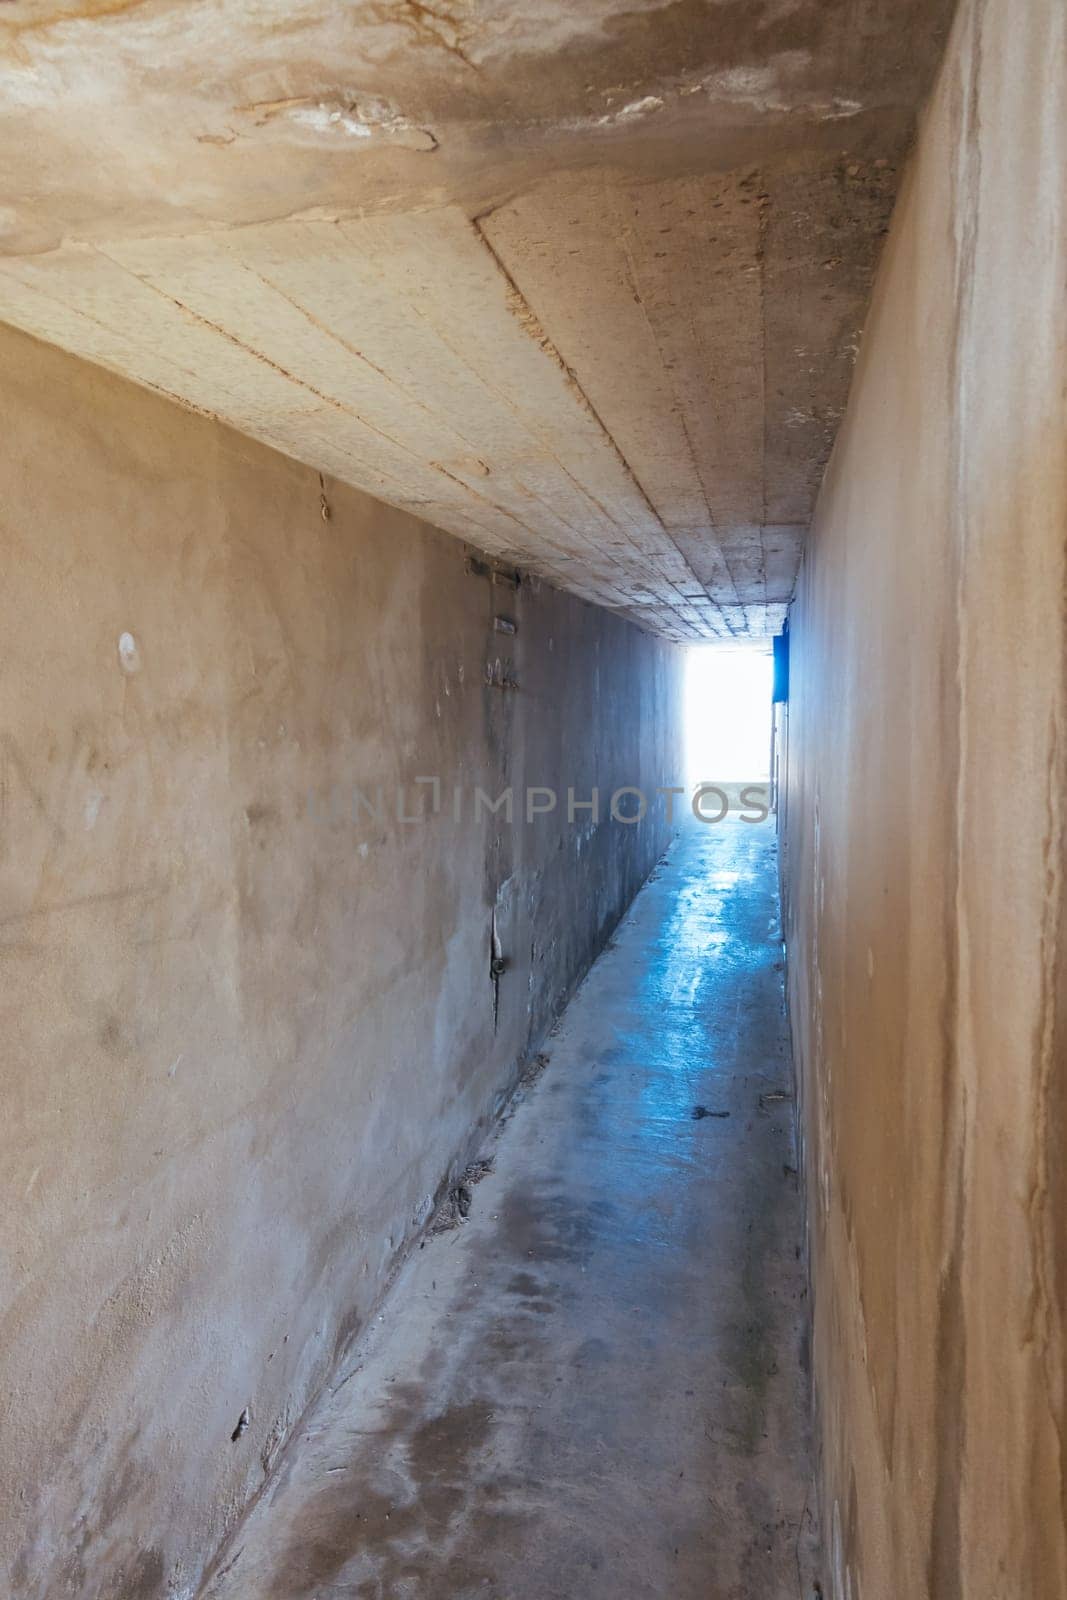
x: 508, y: 577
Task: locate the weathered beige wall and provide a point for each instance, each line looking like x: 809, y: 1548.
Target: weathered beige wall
x: 244, y: 1043
x: 925, y: 859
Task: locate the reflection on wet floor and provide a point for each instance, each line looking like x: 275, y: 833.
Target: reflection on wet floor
x: 594, y: 1385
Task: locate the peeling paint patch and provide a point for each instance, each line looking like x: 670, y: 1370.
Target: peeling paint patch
x: 636, y: 109
x: 324, y: 118
x: 129, y: 654
x: 344, y: 114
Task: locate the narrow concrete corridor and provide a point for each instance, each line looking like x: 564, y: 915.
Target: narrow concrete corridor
x: 595, y: 1385
x: 424, y: 425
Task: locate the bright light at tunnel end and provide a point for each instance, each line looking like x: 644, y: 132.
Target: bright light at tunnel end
x: 728, y: 714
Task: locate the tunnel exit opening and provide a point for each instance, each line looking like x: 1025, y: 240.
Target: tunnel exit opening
x: 728, y: 714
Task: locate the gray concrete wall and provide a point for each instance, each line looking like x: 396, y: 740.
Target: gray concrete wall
x: 925, y: 860
x: 247, y: 1038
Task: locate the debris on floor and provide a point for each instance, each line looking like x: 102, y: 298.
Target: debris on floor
x: 534, y: 1069
x: 455, y: 1207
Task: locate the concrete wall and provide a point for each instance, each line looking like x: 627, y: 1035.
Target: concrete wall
x: 246, y: 1038
x: 925, y: 859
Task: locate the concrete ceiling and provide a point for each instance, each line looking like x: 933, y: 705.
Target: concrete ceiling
x: 581, y: 281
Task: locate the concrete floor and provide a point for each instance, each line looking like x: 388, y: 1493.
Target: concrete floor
x: 595, y: 1386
